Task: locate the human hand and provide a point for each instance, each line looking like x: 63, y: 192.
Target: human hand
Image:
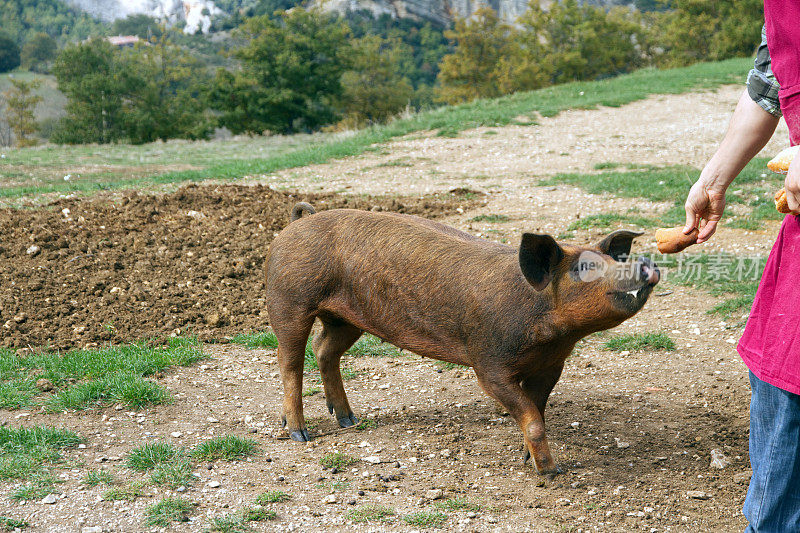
x: 704, y: 207
x: 792, y: 186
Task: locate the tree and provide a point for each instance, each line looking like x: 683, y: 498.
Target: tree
x: 20, y: 104
x: 697, y: 30
x: 166, y: 100
x: 141, y: 25
x: 489, y: 60
x: 290, y: 76
x: 38, y: 52
x: 96, y: 82
x: 9, y: 53
x: 583, y: 42
x: 374, y: 90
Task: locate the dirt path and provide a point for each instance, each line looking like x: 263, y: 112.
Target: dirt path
x: 633, y: 432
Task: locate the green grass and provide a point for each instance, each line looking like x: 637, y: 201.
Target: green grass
x: 457, y: 504
x: 267, y: 339
x: 41, y: 486
x: 311, y: 391
x: 731, y: 306
x: 369, y: 513
x: 264, y: 339
x: 273, y: 496
x: 173, y: 475
x: 641, y: 341
x: 337, y: 460
x: 235, y: 159
x: 728, y: 275
x: 611, y: 220
x: 98, y: 477
x: 152, y: 454
x: 371, y: 346
x: 29, y: 454
x: 671, y: 185
x: 258, y: 514
x: 490, y: 218
x: 228, y: 447
x: 124, y: 492
x: 425, y: 519
x: 167, y: 511
x: 86, y: 378
x: 11, y: 524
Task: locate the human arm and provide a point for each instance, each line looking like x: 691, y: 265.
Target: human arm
x: 750, y: 128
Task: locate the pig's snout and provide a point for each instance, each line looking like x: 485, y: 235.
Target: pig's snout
x: 648, y: 271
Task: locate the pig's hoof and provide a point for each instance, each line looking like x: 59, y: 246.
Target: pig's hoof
x: 348, y: 421
x: 526, y: 456
x: 300, y: 435
x: 551, y: 474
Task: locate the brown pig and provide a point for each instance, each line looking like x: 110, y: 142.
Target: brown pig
x: 512, y: 314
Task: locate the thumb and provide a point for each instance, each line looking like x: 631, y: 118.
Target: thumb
x: 691, y: 220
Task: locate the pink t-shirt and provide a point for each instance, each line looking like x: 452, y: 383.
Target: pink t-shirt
x: 770, y: 345
x: 782, y: 21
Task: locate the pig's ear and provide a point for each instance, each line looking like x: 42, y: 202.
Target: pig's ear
x: 618, y: 244
x: 539, y: 255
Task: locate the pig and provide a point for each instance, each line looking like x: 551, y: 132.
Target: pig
x: 512, y: 314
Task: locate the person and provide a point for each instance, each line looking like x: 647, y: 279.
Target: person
x: 770, y: 344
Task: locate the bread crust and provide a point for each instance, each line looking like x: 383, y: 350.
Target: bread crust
x: 673, y: 240
x: 781, y: 203
x: 780, y: 163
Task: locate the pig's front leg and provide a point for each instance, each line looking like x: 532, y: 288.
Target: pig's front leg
x: 506, y: 389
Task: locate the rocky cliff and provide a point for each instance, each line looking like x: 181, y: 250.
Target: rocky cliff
x: 440, y: 12
x: 196, y: 13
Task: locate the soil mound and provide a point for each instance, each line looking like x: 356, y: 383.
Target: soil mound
x: 85, y: 271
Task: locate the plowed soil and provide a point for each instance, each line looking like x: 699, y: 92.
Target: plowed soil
x: 85, y: 271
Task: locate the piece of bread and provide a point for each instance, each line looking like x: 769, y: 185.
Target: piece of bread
x: 673, y: 240
x: 780, y: 163
x: 781, y: 203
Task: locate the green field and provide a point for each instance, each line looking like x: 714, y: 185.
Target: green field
x: 38, y: 170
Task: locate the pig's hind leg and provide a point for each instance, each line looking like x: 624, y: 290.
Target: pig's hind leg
x: 329, y: 346
x: 292, y: 336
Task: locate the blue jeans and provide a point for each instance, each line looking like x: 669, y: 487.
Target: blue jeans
x: 773, y: 499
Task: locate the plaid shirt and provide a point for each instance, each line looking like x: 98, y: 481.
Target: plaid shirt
x: 761, y: 83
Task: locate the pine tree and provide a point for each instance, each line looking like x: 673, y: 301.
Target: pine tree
x: 20, y: 105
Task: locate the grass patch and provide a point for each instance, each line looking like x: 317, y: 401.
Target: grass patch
x: 29, y: 453
x: 490, y: 218
x: 11, y: 524
x: 641, y: 341
x: 337, y: 460
x: 173, y: 475
x: 258, y: 514
x: 371, y: 346
x: 228, y: 447
x: 671, y: 185
x: 97, y: 477
x: 153, y: 454
x: 611, y: 220
x: 264, y: 339
x: 737, y: 304
x: 125, y: 492
x: 334, y: 485
x: 311, y: 391
x: 369, y: 513
x: 265, y: 155
x: 367, y: 423
x: 425, y: 519
x: 446, y: 365
x: 85, y: 378
x: 167, y: 511
x: 457, y: 504
x: 273, y: 496
x: 37, y: 490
